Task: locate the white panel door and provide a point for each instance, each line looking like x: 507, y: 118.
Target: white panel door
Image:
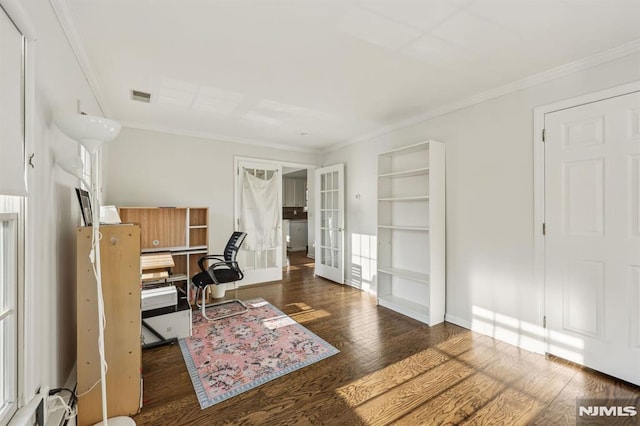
x: 330, y: 223
x: 259, y: 265
x: 592, y: 242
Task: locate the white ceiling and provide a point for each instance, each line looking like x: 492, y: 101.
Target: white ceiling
x: 309, y: 74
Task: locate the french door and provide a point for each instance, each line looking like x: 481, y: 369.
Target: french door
x: 329, y: 244
x: 263, y: 264
x: 592, y: 242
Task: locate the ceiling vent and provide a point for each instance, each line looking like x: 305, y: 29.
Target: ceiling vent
x: 139, y: 96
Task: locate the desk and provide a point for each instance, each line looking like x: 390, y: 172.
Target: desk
x: 166, y: 324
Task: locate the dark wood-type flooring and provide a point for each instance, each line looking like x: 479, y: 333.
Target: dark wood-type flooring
x: 391, y: 370
x: 298, y: 258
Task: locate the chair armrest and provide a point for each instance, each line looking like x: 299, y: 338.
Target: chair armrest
x: 227, y: 265
x: 201, y: 261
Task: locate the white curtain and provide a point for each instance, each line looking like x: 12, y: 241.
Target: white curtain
x: 260, y: 212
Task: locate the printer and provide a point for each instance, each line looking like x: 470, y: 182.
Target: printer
x: 160, y: 297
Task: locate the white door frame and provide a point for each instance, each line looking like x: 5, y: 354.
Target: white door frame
x: 310, y: 213
x: 330, y: 272
x: 539, y: 175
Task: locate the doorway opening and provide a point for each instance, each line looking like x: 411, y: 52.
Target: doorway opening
x: 298, y: 224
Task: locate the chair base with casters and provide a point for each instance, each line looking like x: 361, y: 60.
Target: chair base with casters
x: 224, y: 269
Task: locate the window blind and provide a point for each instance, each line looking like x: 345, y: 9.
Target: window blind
x: 12, y: 160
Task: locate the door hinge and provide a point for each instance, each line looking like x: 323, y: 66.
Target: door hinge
x: 544, y: 135
x: 544, y: 321
x: 544, y: 228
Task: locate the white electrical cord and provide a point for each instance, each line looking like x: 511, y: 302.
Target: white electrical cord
x: 95, y: 250
x: 97, y: 270
x: 69, y: 412
x: 93, y: 255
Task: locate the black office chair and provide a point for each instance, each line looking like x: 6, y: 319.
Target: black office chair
x: 224, y: 270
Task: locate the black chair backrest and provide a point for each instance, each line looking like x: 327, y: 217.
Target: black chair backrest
x: 233, y: 245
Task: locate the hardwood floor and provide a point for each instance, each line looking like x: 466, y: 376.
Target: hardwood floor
x: 298, y: 258
x: 391, y: 370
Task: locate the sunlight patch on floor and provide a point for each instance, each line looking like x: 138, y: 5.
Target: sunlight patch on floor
x: 411, y: 393
x: 300, y: 305
x: 390, y: 377
x: 299, y: 267
x: 274, y: 323
x: 310, y: 315
x: 307, y: 313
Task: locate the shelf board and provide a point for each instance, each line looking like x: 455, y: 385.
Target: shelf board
x: 412, y: 198
x: 184, y: 252
x: 404, y: 228
x: 421, y: 146
x: 171, y: 249
x: 176, y: 250
x: 405, y: 173
x: 169, y: 279
x: 406, y: 307
x: 405, y: 273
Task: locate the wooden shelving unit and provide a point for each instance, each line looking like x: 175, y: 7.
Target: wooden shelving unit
x: 181, y: 231
x: 411, y: 231
x: 120, y: 260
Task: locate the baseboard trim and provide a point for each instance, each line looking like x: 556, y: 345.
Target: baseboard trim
x: 457, y: 321
x: 521, y: 340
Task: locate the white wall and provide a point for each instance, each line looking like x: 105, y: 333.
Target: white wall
x: 55, y: 82
x: 360, y: 182
x: 147, y: 168
x: 311, y: 213
x: 490, y: 229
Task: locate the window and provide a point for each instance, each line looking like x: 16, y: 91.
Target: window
x: 8, y: 315
x: 15, y: 76
x: 86, y: 165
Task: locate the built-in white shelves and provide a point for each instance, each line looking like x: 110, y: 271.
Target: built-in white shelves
x: 404, y: 228
x: 405, y: 173
x: 411, y: 224
x: 406, y: 198
x: 407, y: 150
x: 417, y: 311
x: 419, y: 277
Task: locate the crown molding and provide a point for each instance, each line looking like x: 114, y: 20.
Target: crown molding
x: 216, y: 137
x: 525, y: 83
x: 20, y: 18
x: 63, y: 14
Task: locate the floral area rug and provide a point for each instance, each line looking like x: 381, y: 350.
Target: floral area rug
x: 233, y: 355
